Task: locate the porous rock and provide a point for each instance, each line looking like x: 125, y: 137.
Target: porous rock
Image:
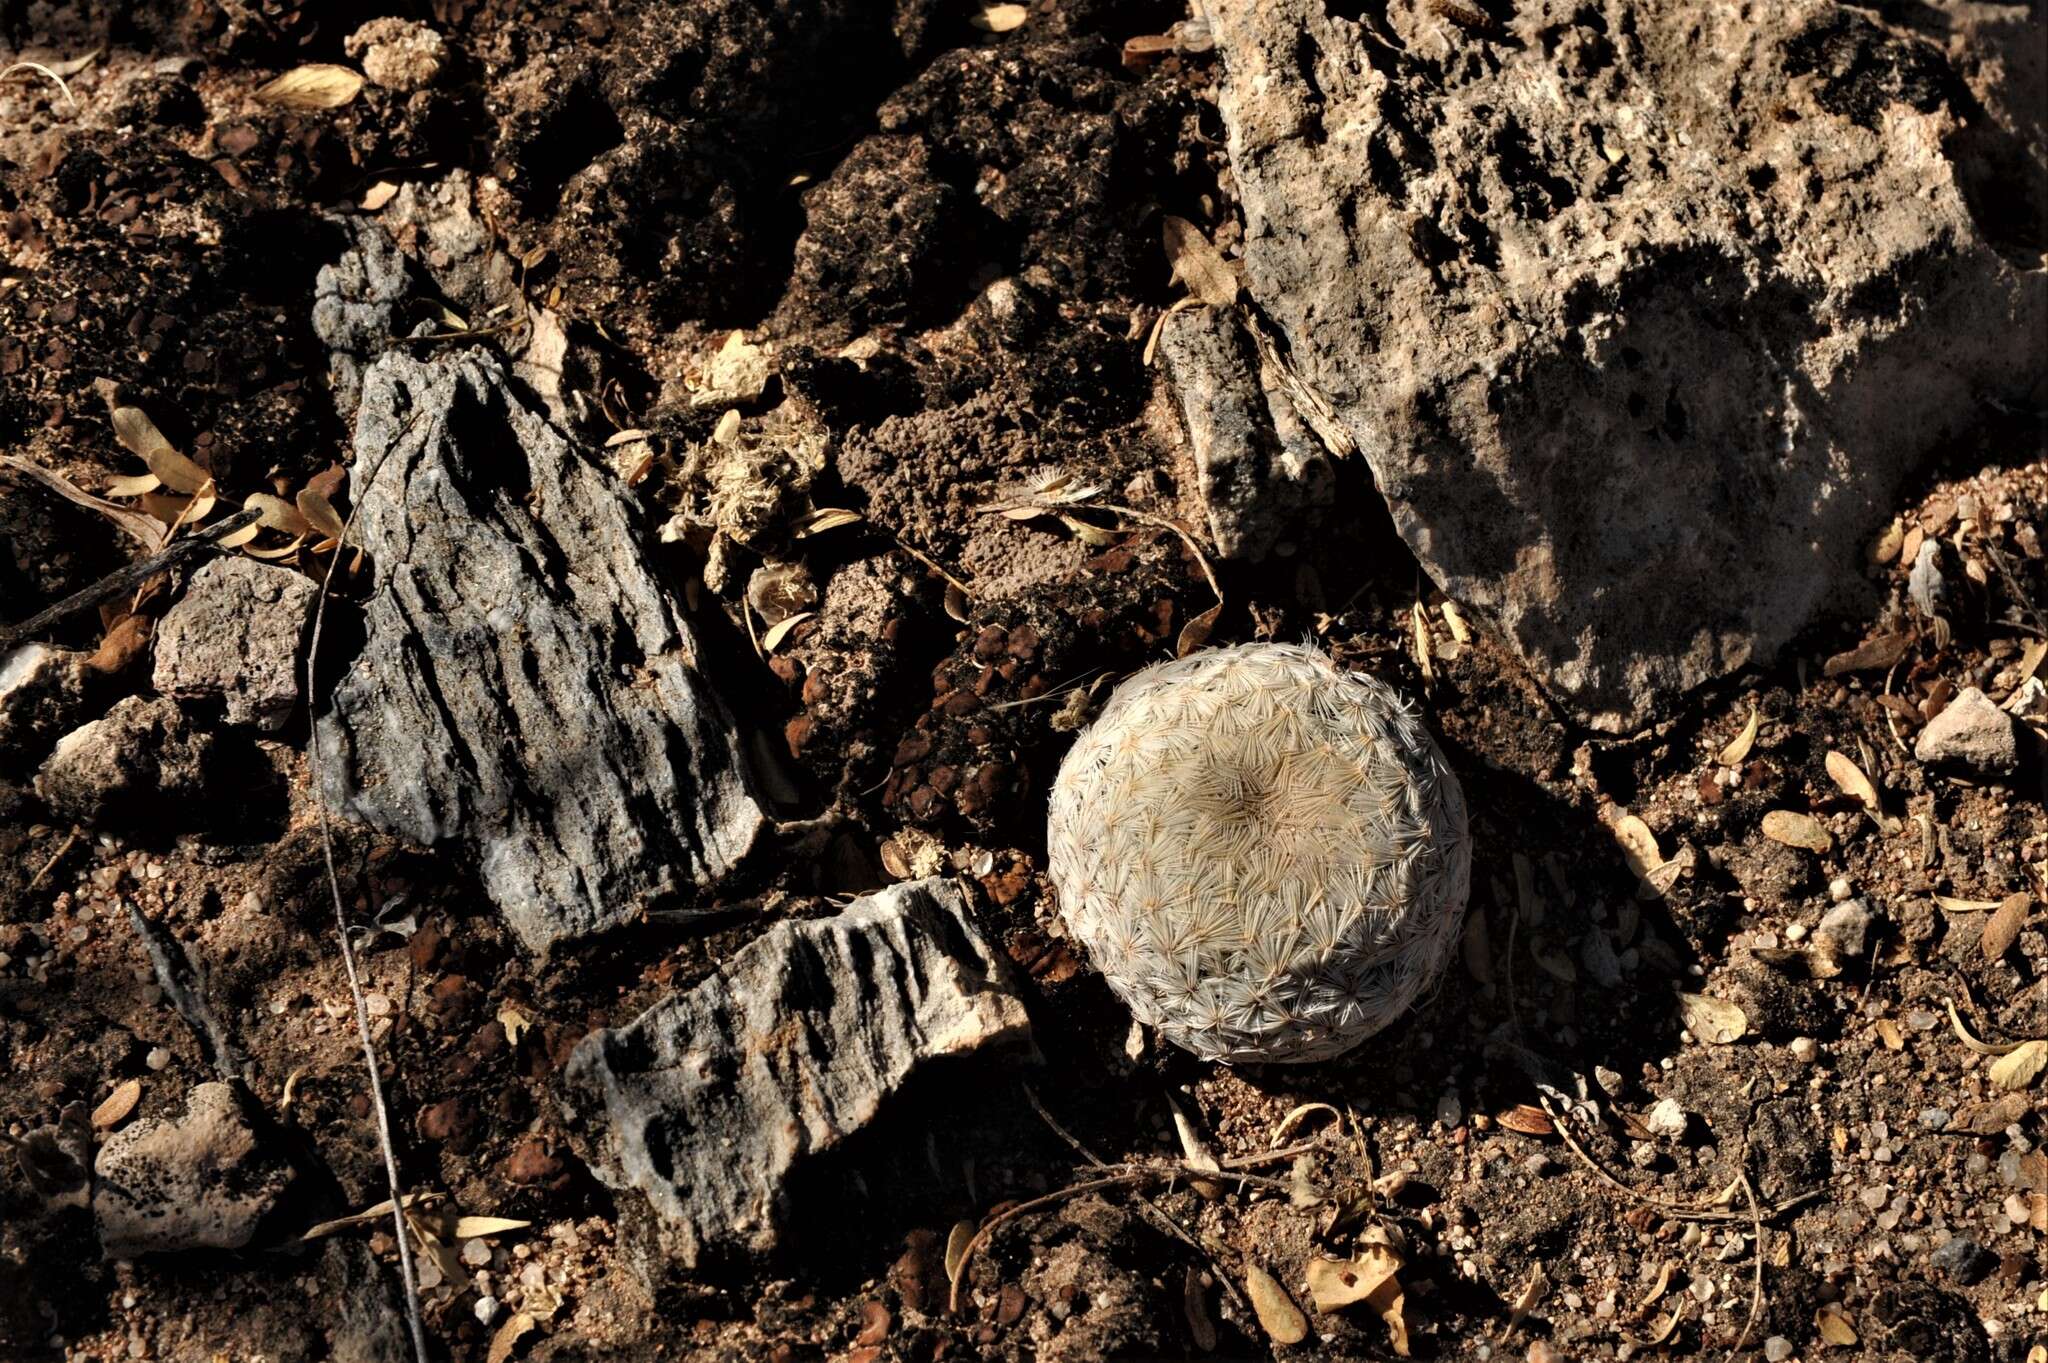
x: 526, y: 685
x: 1641, y: 310
x: 238, y: 633
x: 398, y: 54
x: 1259, y: 468
x: 356, y: 305
x: 142, y: 762
x: 204, y: 1181
x: 710, y: 1101
x: 1973, y: 734
x: 42, y: 694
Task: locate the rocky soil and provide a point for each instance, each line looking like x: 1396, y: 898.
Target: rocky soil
x: 711, y: 458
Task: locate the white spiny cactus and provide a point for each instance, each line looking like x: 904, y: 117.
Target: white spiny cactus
x: 1266, y: 857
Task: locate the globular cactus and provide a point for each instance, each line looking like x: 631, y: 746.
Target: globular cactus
x: 1266, y: 857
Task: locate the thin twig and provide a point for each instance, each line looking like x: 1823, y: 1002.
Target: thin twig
x: 55, y: 857
x: 40, y: 69
x: 1677, y: 1211
x: 1756, y: 1295
x: 124, y: 579
x: 408, y: 1280
x: 1153, y: 1212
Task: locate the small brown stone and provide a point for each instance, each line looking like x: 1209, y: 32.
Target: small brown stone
x: 913, y: 748
x: 1024, y: 642
x: 445, y: 1122
x: 816, y: 689
x: 990, y: 644
x: 532, y: 1162
x: 961, y: 703
x: 798, y: 732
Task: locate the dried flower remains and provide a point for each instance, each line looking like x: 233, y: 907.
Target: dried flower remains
x: 1267, y: 858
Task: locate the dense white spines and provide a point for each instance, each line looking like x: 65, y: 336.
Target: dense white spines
x: 1267, y: 858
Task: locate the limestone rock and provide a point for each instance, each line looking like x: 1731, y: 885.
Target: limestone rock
x: 709, y: 1101
x: 238, y: 633
x: 527, y: 686
x: 1973, y: 734
x: 1260, y: 470
x: 398, y: 54
x: 42, y: 694
x: 202, y: 1182
x: 1637, y: 364
x: 143, y: 762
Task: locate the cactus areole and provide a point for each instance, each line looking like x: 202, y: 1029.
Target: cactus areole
x: 1266, y: 857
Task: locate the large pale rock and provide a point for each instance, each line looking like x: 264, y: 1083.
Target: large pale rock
x: 1641, y: 313
x: 527, y: 686
x: 141, y: 764
x: 710, y: 1101
x: 42, y: 694
x: 204, y: 1181
x: 238, y: 634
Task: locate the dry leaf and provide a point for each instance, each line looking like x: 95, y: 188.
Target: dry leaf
x: 1667, y: 1326
x: 1532, y: 1292
x: 116, y: 1106
x: 1797, y: 830
x: 382, y: 1211
x: 1834, y: 1327
x: 618, y: 438
x: 320, y: 513
x: 1869, y: 656
x: 470, y: 1227
x: 1000, y: 18
x: 1196, y: 1308
x: 137, y: 526
x: 319, y: 85
x: 1554, y: 962
x: 1420, y: 624
x: 1638, y: 845
x: 1197, y: 631
x: 133, y: 485
x: 1948, y: 905
x: 824, y: 518
x: 1334, y: 1284
x: 508, y: 1337
x: 1854, y: 783
x: 1086, y: 533
x: 2002, y: 928
x: 1739, y: 746
x: 1529, y: 1121
x: 140, y: 435
x: 1280, y: 1317
x: 2020, y: 1068
x: 514, y: 1022
x: 1714, y: 1021
x: 377, y: 195
x: 1656, y: 1290
x: 957, y: 1241
x: 1964, y: 1035
x: 1885, y: 548
x: 956, y: 602
x: 1198, y: 264
x: 781, y: 628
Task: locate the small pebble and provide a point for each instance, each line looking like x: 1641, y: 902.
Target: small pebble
x: 1934, y: 1118
x: 1796, y: 932
x: 157, y: 1058
x: 486, y: 1310
x: 1962, y: 1259
x: 476, y: 1253
x: 1840, y: 889
x: 1778, y: 1348
x: 1804, y: 1049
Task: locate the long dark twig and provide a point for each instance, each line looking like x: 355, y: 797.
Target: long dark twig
x: 123, y: 579
x: 408, y: 1279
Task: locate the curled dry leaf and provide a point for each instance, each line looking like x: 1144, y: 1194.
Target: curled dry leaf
x: 2015, y: 1071
x: 470, y: 1227
x: 320, y: 513
x: 2002, y: 928
x: 1738, y: 747
x: 1527, y: 1120
x: 1797, y: 830
x: 1638, y: 845
x: 1667, y: 1325
x: 508, y: 1337
x: 1197, y: 631
x: 818, y: 521
x: 1278, y: 1315
x: 140, y: 436
x: 1198, y: 264
x: 1334, y: 1284
x: 1834, y: 1327
x: 1847, y: 775
x: 957, y: 1241
x: 1948, y: 905
x: 780, y: 630
x: 115, y: 1108
x: 145, y: 530
x: 514, y: 1021
x: 1964, y: 1035
x: 1714, y: 1021
x: 318, y: 85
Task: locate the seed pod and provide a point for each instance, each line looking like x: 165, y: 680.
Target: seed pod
x: 1267, y: 858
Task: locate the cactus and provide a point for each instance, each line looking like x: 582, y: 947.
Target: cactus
x: 1266, y: 857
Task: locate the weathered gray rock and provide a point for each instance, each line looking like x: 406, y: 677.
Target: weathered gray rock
x: 204, y: 1181
x: 1973, y: 734
x: 1843, y: 937
x: 239, y: 634
x: 356, y: 305
x: 526, y: 686
x: 1261, y: 471
x: 42, y: 694
x: 142, y: 762
x: 1637, y: 362
x: 709, y: 1101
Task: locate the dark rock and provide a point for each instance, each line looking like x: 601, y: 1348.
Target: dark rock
x: 204, y: 1181
x: 239, y: 634
x: 1963, y: 1259
x: 1261, y: 471
x: 1610, y: 391
x: 143, y: 763
x: 802, y: 1036
x: 1972, y: 734
x: 42, y: 695
x: 527, y: 685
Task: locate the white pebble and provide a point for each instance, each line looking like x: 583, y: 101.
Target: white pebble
x: 1804, y: 1049
x: 157, y: 1058
x: 486, y: 1310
